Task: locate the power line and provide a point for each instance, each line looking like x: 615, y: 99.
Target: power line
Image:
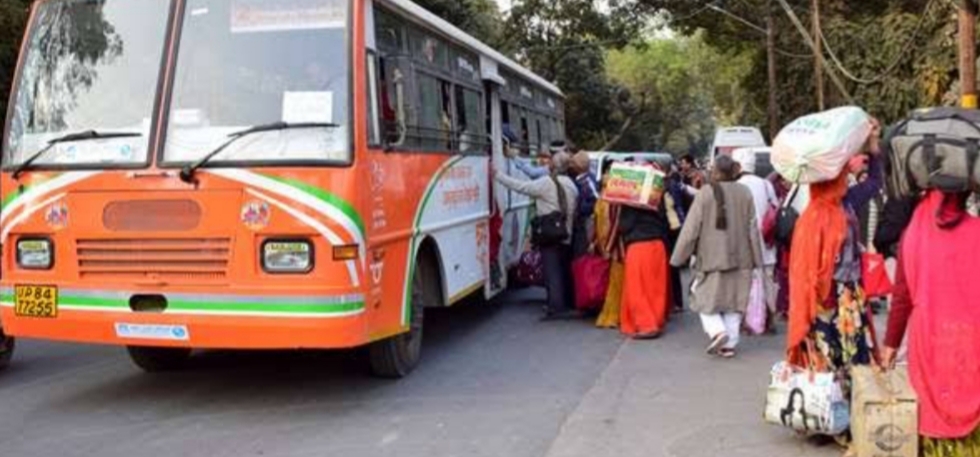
x: 571, y: 46
x: 793, y: 54
x: 813, y: 45
x: 690, y: 16
x: 758, y: 29
x: 890, y: 68
x: 737, y: 18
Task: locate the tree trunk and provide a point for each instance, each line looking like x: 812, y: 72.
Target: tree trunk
x: 771, y: 57
x: 626, y: 125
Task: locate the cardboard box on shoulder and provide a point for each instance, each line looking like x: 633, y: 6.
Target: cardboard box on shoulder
x: 885, y: 416
x: 634, y: 185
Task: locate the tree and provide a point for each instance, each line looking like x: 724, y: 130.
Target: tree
x: 565, y: 42
x: 687, y: 87
x: 480, y: 18
x: 900, y: 50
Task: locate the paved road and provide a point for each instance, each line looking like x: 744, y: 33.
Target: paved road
x: 494, y: 382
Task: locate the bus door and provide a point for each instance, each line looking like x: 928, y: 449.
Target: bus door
x: 497, y: 260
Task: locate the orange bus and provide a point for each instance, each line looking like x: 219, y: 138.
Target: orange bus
x: 257, y: 174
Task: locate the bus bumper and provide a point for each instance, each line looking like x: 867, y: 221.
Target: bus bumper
x: 223, y: 324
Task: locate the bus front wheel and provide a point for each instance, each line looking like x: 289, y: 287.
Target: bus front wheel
x: 397, y: 356
x: 155, y: 359
x: 7, y: 344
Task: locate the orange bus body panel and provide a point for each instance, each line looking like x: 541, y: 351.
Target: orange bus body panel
x: 198, y: 246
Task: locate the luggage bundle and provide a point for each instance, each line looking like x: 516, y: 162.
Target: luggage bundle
x: 935, y: 148
x: 817, y: 147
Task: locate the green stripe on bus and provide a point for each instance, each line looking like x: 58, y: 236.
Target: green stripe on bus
x: 14, y: 195
x: 326, y: 197
x: 178, y: 305
x: 409, y: 279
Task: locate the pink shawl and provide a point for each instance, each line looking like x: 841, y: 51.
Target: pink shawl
x: 942, y: 267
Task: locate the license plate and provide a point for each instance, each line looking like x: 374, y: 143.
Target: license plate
x: 36, y: 301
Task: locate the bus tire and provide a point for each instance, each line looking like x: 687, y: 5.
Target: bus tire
x: 157, y: 359
x: 7, y: 345
x: 397, y: 356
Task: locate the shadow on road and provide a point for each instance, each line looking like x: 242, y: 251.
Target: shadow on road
x: 249, y: 379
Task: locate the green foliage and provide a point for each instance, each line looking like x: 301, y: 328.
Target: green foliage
x: 479, y: 18
x: 687, y: 87
x: 868, y: 37
x: 565, y: 41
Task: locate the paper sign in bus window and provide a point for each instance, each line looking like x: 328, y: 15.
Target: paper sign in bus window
x: 307, y: 107
x: 251, y: 16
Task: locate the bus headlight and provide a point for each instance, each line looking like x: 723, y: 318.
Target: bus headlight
x: 35, y: 253
x: 287, y: 256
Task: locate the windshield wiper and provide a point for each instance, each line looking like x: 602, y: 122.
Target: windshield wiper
x: 71, y: 137
x: 187, y: 173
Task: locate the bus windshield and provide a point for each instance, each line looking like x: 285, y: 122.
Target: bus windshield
x: 244, y: 63
x: 89, y: 65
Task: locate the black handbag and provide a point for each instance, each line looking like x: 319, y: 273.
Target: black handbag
x: 552, y: 228
x: 786, y: 220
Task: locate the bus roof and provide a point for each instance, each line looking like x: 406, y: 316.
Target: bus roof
x: 424, y: 16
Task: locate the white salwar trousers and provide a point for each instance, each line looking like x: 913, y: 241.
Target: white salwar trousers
x: 728, y: 323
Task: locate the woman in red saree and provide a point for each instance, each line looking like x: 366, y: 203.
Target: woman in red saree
x: 938, y: 301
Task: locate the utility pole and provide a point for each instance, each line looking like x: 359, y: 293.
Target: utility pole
x: 771, y: 54
x: 968, y: 53
x: 817, y: 52
x: 769, y: 31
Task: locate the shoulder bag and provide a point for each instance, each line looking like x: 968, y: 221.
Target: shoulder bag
x: 552, y: 228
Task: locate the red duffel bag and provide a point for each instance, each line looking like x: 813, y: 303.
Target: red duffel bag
x: 874, y: 276
x: 591, y: 276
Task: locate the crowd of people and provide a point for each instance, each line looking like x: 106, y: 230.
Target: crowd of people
x: 706, y: 223
x: 712, y: 223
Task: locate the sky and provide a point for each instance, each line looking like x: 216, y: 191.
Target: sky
x: 503, y: 4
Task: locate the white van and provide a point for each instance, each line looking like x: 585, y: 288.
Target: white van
x: 728, y: 139
x: 763, y: 160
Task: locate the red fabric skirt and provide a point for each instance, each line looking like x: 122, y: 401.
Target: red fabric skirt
x: 646, y: 288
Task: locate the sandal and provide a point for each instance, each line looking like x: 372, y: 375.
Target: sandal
x: 716, y: 343
x: 726, y: 353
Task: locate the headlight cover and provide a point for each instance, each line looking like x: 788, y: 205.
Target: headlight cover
x: 35, y: 253
x: 287, y: 256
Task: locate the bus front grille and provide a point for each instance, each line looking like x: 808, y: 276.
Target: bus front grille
x: 158, y: 259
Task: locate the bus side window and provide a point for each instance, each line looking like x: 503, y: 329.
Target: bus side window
x: 535, y: 136
x: 469, y: 125
x: 428, y: 134
x: 525, y: 139
x: 374, y: 127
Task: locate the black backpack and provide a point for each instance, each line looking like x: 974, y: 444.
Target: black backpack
x: 786, y: 219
